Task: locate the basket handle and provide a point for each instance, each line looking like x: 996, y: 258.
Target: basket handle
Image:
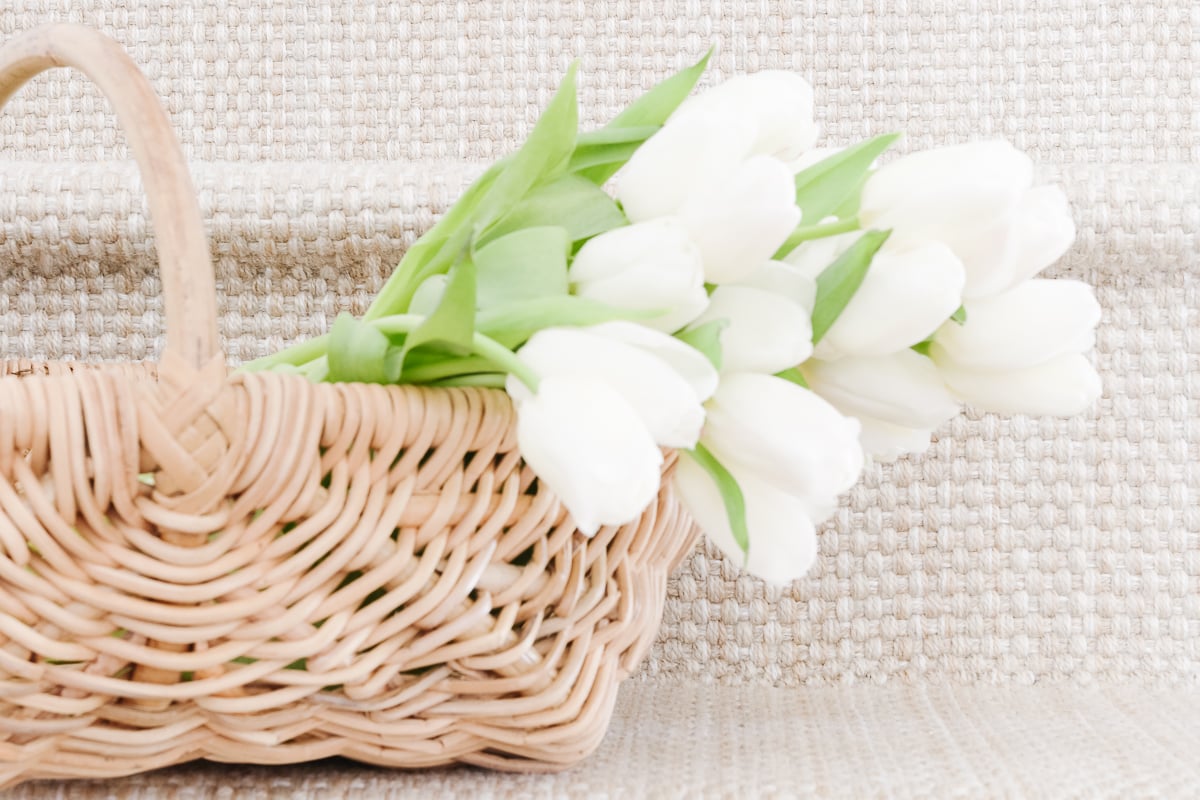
x: 189, y: 290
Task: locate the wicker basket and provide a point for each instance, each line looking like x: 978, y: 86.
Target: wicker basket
x: 255, y: 569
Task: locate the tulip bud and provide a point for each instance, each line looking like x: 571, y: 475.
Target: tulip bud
x: 947, y: 193
x: 779, y: 102
x: 899, y: 399
x: 909, y: 290
x: 643, y: 267
x: 783, y: 542
x: 1028, y: 325
x: 589, y: 447
x: 785, y: 435
x: 766, y: 332
x: 738, y: 223
x: 1062, y: 387
x: 680, y: 160
x: 785, y: 280
x: 687, y: 361
x: 665, y: 401
x: 1021, y: 351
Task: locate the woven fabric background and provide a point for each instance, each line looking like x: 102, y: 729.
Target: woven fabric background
x: 324, y: 140
x: 900, y: 741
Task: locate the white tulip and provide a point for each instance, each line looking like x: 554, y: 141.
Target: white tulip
x: 783, y: 541
x: 814, y: 257
x: 1022, y: 351
x: 1016, y: 247
x: 947, y: 193
x: 977, y: 199
x: 1046, y: 231
x: 909, y: 290
x: 739, y: 222
x: 1025, y: 326
x: 589, y: 447
x: 785, y: 435
x: 682, y: 159
x: 689, y: 362
x: 778, y: 102
x: 1063, y: 386
x: 900, y: 399
x: 766, y: 331
x: 785, y: 280
x: 643, y: 267
x: 885, y: 442
x: 666, y: 402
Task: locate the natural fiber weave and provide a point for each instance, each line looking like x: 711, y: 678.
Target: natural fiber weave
x: 253, y: 568
x: 682, y: 742
x: 1070, y: 81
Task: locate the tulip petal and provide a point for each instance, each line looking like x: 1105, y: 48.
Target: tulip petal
x: 767, y: 333
x: 785, y: 280
x: 687, y: 155
x: 904, y: 388
x: 643, y: 267
x: 814, y: 257
x: 1035, y: 322
x: 886, y: 442
x: 590, y: 448
x: 783, y: 542
x: 786, y: 435
x: 780, y: 102
x: 666, y: 403
x: 908, y: 292
x: 1064, y: 386
x: 740, y: 222
x: 945, y: 192
x: 1045, y: 231
x: 689, y: 362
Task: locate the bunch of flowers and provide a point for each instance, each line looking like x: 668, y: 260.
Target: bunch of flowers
x: 776, y: 312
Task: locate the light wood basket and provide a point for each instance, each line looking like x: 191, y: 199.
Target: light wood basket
x: 252, y: 568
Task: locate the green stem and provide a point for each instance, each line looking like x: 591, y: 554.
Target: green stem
x: 806, y: 233
x: 297, y: 355
x: 445, y: 369
x: 481, y: 345
x: 491, y: 380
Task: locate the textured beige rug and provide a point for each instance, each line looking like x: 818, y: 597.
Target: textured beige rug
x: 690, y: 741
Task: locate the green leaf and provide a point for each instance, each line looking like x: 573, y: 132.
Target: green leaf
x: 650, y: 110
x: 608, y: 146
x: 807, y: 233
x: 731, y: 495
x: 829, y: 185
x: 570, y: 202
x: 793, y: 375
x: 841, y: 279
x: 706, y: 338
x: 434, y: 251
x: 542, y: 157
x: 960, y: 315
x: 512, y: 324
x: 545, y: 154
x: 524, y: 265
x: 358, y: 352
x: 632, y: 134
x: 451, y: 326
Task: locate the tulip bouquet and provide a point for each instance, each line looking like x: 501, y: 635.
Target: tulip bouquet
x: 776, y: 312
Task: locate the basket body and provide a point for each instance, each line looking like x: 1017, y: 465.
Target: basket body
x: 265, y: 570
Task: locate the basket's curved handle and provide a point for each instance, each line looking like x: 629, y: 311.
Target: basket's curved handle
x: 187, y: 275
